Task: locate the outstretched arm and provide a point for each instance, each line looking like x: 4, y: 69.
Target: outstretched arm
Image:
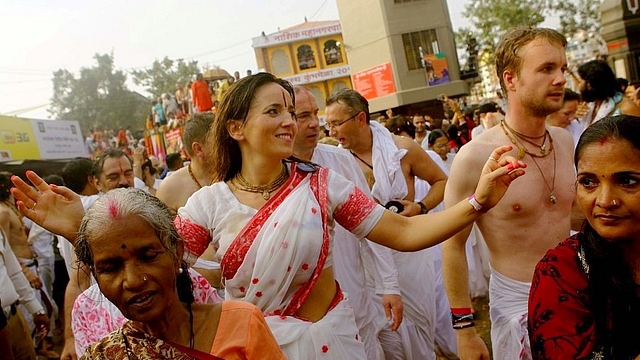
x: 420, y: 232
x: 55, y: 208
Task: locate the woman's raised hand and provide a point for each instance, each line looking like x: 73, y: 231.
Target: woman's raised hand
x: 55, y: 208
x: 497, y: 174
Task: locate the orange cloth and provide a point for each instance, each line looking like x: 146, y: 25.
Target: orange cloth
x: 201, y: 95
x: 243, y: 334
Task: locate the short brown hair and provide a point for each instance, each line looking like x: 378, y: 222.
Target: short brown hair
x: 351, y: 99
x: 507, y: 52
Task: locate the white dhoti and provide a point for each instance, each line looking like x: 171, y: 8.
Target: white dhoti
x: 508, y: 309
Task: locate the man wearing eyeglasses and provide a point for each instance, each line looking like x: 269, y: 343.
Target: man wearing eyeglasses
x: 393, y: 162
x: 351, y: 256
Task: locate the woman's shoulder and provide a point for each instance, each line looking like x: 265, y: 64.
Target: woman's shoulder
x: 239, y: 307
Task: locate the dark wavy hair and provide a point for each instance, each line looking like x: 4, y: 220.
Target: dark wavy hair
x: 615, y: 296
x: 601, y: 81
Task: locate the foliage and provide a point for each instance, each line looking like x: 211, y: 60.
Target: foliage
x: 97, y: 98
x: 491, y: 18
x: 163, y: 75
x: 578, y: 15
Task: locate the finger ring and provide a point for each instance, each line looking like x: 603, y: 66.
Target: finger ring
x: 490, y: 158
x: 33, y: 208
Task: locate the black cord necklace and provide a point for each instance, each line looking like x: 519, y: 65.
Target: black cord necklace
x: 364, y: 162
x: 515, y: 140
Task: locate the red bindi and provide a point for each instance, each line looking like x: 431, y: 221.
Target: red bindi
x: 113, y: 209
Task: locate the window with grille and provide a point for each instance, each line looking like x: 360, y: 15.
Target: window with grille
x: 412, y: 42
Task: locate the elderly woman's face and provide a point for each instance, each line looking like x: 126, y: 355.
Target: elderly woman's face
x: 608, y: 188
x: 134, y: 270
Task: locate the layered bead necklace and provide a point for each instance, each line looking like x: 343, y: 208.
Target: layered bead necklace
x: 517, y: 140
x: 266, y: 190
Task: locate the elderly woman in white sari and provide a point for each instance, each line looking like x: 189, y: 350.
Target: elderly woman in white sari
x: 271, y: 217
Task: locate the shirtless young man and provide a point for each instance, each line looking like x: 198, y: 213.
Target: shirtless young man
x: 533, y: 216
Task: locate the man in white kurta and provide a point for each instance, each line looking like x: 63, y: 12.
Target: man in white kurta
x: 393, y: 162
x: 351, y: 256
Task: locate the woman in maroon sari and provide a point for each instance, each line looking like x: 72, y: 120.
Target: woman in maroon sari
x: 585, y: 295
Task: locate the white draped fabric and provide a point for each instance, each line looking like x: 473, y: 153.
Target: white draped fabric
x: 508, y: 311
x: 272, y: 257
x: 416, y: 273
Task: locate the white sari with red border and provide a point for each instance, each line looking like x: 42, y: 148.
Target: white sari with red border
x: 272, y: 257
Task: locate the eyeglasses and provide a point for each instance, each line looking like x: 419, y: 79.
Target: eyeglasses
x: 337, y: 125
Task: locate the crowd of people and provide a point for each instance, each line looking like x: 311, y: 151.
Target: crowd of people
x: 274, y: 243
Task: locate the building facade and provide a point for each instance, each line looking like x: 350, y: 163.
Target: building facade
x: 621, y: 31
x: 402, y: 53
x: 310, y: 54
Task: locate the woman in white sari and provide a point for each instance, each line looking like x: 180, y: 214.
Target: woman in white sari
x: 271, y: 218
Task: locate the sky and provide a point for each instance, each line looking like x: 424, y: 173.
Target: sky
x: 42, y: 36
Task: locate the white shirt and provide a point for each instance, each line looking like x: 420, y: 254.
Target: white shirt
x: 13, y: 284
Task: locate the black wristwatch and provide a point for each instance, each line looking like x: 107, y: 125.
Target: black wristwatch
x: 423, y: 208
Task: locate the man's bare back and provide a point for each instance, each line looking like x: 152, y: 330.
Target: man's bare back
x: 176, y: 189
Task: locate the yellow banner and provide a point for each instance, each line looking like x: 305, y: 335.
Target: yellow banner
x: 17, y: 140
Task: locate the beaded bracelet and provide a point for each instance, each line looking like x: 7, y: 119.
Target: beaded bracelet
x: 460, y: 319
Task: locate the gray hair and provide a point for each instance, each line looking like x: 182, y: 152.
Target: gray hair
x: 352, y: 99
x: 124, y: 203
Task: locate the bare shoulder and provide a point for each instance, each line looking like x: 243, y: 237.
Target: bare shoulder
x: 468, y: 163
x: 562, y: 138
x: 173, y: 187
x: 176, y: 178
x: 406, y: 143
x: 416, y: 155
x: 473, y: 155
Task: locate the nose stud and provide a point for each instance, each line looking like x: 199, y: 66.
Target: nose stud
x: 144, y: 278
x: 615, y: 203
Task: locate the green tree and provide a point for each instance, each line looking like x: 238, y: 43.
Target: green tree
x: 491, y: 18
x: 163, y: 75
x: 578, y: 15
x: 98, y: 98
